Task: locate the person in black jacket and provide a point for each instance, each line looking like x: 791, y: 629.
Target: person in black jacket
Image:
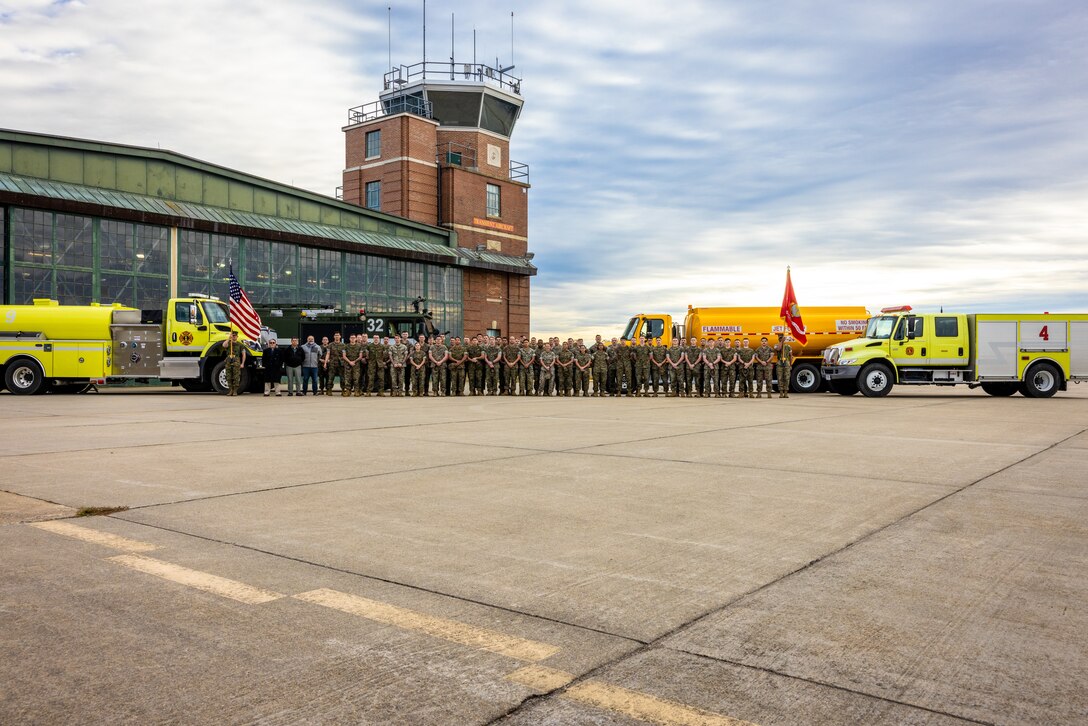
x: 273, y: 367
x: 293, y: 356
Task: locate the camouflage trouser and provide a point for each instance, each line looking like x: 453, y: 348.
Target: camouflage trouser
x: 695, y: 378
x: 730, y: 378
x: 525, y: 380
x: 457, y: 381
x: 600, y: 379
x: 644, y: 382
x: 419, y: 380
x: 398, y: 380
x: 491, y: 379
x: 710, y: 380
x: 784, y: 372
x: 744, y: 380
x: 332, y: 372
x: 509, y: 377
x: 547, y: 377
x: 375, y: 377
x: 679, y: 377
x: 766, y: 373
x: 349, y: 381
x: 438, y: 379
x: 566, y: 379
x: 581, y: 381
x: 477, y: 376
x: 234, y: 375
x: 661, y: 379
x: 624, y: 372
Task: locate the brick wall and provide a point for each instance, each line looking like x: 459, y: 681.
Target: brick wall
x: 464, y: 204
x: 406, y: 167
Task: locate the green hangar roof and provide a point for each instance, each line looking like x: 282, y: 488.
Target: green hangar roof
x: 163, y: 187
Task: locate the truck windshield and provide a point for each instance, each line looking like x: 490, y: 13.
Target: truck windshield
x: 880, y: 328
x: 216, y: 312
x: 632, y: 326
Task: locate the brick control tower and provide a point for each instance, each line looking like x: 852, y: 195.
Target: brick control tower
x: 435, y: 148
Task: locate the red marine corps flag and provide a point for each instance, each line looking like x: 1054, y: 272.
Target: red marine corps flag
x: 241, y: 312
x: 791, y: 314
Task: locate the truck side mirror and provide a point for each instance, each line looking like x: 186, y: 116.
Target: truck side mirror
x: 910, y: 335
x: 192, y: 314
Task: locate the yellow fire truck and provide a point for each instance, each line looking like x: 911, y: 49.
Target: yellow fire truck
x: 1036, y: 355
x: 65, y: 348
x: 826, y: 326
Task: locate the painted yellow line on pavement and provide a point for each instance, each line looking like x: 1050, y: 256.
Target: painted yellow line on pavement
x: 540, y: 678
x: 645, y: 707
x: 200, y: 580
x: 452, y: 630
x: 93, y: 536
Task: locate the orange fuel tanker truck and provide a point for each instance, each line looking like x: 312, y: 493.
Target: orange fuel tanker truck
x: 826, y: 326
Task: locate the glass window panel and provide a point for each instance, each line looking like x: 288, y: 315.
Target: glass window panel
x: 151, y: 292
x: 259, y: 295
x: 494, y: 196
x: 258, y: 263
x: 224, y: 251
x: 354, y: 272
x: 374, y: 195
x: 284, y: 264
x: 32, y: 237
x: 498, y: 115
x: 354, y: 300
x: 115, y: 243
x: 152, y: 248
x: 415, y: 280
x: 456, y: 108
x: 194, y: 252
x: 373, y: 144
x: 117, y: 288
x: 29, y: 283
x: 3, y: 258
x: 395, y: 283
x: 187, y: 286
x: 328, y: 270
x: 285, y: 295
x: 75, y: 241
x: 75, y: 287
x: 375, y: 275
x: 307, y: 268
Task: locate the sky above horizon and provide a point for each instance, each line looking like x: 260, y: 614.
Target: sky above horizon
x: 928, y: 153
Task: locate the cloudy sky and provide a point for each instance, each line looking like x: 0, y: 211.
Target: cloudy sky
x: 925, y: 152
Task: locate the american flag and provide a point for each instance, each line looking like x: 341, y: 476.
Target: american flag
x: 242, y: 313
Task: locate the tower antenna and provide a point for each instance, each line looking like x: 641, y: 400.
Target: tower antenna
x: 511, y: 38
x: 390, y: 13
x: 424, y: 38
x: 473, y: 48
x: 453, y: 46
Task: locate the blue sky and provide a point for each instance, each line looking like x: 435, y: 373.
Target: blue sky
x: 930, y: 153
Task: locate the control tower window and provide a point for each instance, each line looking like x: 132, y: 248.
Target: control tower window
x: 498, y: 115
x: 374, y: 195
x: 373, y: 144
x: 494, y: 199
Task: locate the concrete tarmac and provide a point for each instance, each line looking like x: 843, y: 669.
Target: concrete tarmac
x: 916, y: 559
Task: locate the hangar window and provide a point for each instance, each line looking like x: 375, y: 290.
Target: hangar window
x: 494, y: 200
x: 946, y: 327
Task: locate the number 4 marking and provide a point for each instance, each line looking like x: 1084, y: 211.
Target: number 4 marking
x: 1044, y: 334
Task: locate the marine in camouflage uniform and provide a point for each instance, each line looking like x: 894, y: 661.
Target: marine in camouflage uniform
x: 473, y: 369
x: 674, y: 360
x: 235, y: 351
x: 763, y: 367
x: 526, y: 357
x: 565, y: 369
x: 492, y: 360
x: 745, y: 358
x: 458, y: 359
x: 711, y: 358
x: 373, y: 363
x: 349, y: 381
x: 625, y: 369
x: 417, y: 360
x: 438, y: 356
x: 658, y: 366
x: 398, y: 357
x: 334, y: 363
x: 582, y: 362
x: 600, y: 371
x: 547, y: 359
x: 641, y: 355
x: 695, y: 367
x: 510, y: 367
x: 727, y: 376
x: 785, y: 366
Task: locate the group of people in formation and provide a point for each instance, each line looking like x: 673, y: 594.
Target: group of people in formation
x: 490, y: 366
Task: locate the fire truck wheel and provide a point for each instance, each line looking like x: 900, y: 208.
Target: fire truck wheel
x: 24, y: 377
x: 1001, y: 389
x: 219, y: 377
x: 1041, y: 381
x: 806, y: 378
x: 844, y: 387
x: 875, y: 380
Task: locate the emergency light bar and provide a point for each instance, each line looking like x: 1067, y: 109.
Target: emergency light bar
x: 897, y: 309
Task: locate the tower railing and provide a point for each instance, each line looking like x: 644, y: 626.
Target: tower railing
x: 389, y: 107
x: 444, y: 70
x: 519, y: 171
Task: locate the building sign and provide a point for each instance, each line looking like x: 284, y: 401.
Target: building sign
x: 492, y: 224
x: 856, y: 325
